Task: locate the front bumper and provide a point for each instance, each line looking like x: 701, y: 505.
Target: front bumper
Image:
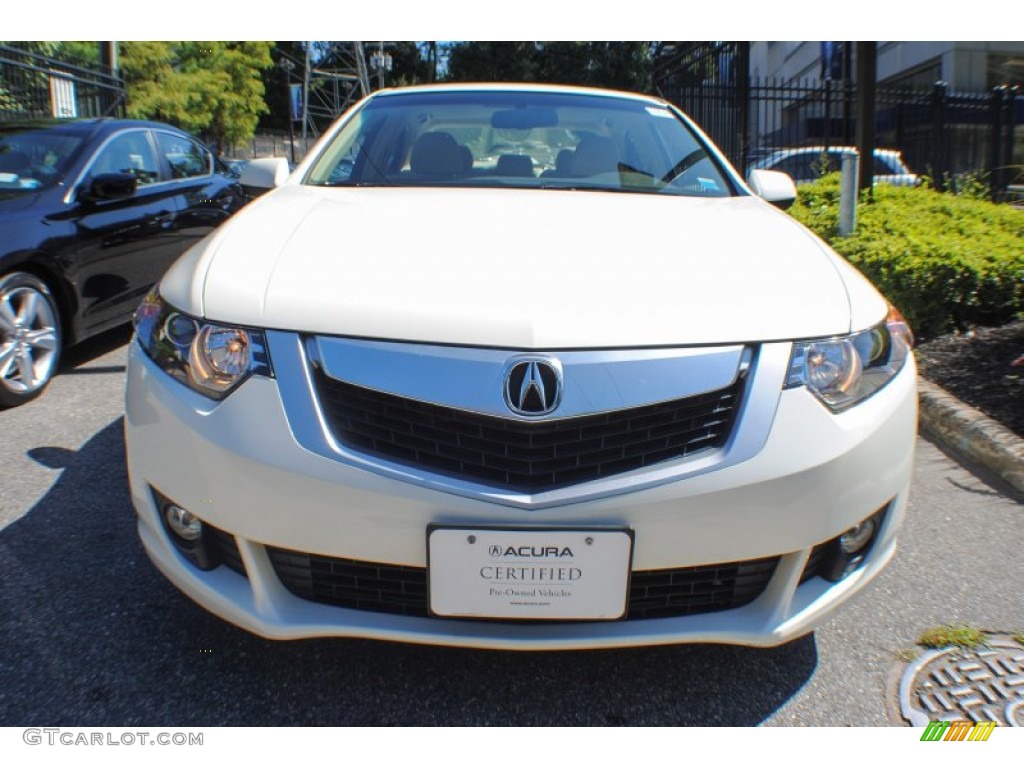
x: 239, y: 467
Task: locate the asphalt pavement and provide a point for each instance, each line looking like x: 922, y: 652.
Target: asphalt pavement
x: 94, y: 636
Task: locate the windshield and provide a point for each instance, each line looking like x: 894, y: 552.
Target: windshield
x: 32, y: 156
x: 519, y: 139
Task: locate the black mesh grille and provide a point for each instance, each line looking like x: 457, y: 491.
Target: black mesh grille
x: 814, y: 561
x: 525, y: 456
x: 223, y: 548
x: 403, y: 590
x: 352, y: 583
x: 700, y: 589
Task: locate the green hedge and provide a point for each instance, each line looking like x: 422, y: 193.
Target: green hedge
x: 945, y: 261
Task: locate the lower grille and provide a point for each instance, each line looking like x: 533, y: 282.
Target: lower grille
x: 814, y: 561
x: 223, y: 548
x: 700, y: 589
x: 377, y: 587
x: 400, y: 589
x: 524, y: 456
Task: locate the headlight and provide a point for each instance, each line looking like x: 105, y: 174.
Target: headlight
x: 844, y: 371
x: 212, y: 359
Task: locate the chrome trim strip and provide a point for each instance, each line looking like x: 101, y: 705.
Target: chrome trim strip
x: 766, y: 373
x: 593, y: 381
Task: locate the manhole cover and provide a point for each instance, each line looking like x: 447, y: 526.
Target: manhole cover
x: 984, y: 684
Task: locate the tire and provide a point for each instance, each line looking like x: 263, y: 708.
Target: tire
x: 30, y: 338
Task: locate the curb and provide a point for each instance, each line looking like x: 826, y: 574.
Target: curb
x: 968, y: 433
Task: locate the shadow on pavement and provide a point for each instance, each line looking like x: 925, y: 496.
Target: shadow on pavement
x: 93, y: 635
x: 80, y: 355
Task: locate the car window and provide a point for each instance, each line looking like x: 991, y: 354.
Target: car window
x: 794, y: 165
x: 521, y: 139
x: 803, y: 166
x: 128, y: 152
x: 185, y: 157
x: 884, y: 166
x: 34, y: 156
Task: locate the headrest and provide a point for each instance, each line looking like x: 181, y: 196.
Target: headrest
x: 514, y: 165
x: 436, y: 154
x: 595, y: 154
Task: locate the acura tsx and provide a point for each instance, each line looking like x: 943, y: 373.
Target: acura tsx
x: 522, y: 367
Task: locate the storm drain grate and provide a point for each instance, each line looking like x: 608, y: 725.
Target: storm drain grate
x: 984, y: 684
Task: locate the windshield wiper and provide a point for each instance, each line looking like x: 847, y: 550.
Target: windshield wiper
x: 684, y: 165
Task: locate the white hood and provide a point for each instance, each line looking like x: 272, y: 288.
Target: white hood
x: 523, y: 269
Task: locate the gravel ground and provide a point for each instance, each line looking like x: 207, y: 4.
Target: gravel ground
x: 983, y: 367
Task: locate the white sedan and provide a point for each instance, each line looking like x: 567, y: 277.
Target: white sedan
x: 519, y: 367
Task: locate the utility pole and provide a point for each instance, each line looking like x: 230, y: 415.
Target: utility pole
x: 867, y: 74
x: 108, y: 56
x: 742, y: 71
x: 382, y: 63
x: 305, y: 94
x: 287, y: 66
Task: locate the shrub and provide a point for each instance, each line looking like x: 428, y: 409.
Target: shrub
x: 945, y: 261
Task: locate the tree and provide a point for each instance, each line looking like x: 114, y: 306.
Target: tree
x: 483, y: 61
x: 605, y: 64
x: 276, y: 82
x: 211, y: 88
x: 409, y: 64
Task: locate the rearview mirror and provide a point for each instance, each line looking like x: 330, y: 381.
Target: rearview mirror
x: 525, y: 119
x: 774, y: 186
x: 264, y: 173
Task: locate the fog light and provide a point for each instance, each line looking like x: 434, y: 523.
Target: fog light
x: 184, y: 524
x: 857, y: 537
x: 841, y: 556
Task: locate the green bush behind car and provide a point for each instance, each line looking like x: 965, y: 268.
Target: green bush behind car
x: 946, y: 261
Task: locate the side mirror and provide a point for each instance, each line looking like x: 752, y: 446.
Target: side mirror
x: 774, y: 186
x: 264, y: 173
x: 113, y: 186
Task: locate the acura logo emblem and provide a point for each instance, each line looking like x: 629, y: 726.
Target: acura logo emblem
x: 533, y: 385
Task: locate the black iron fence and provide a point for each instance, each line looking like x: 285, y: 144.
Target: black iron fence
x: 269, y: 143
x: 953, y: 138
x: 34, y: 86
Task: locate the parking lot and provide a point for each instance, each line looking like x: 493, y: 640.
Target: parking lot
x: 93, y: 635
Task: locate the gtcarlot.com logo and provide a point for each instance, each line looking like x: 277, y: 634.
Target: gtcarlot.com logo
x: 72, y: 738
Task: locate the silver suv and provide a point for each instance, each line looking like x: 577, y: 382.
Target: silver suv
x: 807, y: 164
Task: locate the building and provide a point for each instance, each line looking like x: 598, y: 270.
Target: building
x: 964, y: 66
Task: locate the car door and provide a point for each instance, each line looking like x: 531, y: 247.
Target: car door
x: 120, y: 247
x: 205, y: 197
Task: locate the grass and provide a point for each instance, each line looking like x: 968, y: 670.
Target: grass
x: 907, y: 654
x: 953, y: 634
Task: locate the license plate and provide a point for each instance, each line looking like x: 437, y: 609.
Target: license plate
x: 529, y: 574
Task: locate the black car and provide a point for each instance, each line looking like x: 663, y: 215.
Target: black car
x: 91, y: 214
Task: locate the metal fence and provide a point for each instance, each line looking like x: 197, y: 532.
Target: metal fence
x: 273, y: 144
x: 34, y: 86
x: 951, y: 137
